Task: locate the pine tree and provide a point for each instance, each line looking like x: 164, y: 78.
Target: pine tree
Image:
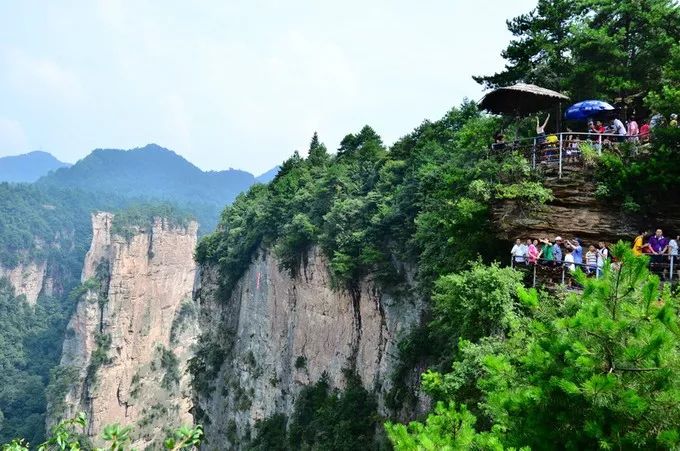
x: 317, y: 155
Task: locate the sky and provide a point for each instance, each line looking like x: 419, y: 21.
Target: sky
x: 238, y: 84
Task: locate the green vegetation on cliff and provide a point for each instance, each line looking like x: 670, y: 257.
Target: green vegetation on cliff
x: 597, y: 369
x: 30, y: 346
x: 323, y: 419
x: 370, y: 208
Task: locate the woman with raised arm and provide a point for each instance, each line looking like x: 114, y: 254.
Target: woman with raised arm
x: 540, y: 129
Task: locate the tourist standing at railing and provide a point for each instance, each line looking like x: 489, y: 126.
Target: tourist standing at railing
x: 639, y: 243
x: 673, y: 251
x: 673, y: 246
x: 577, y: 250
x: 557, y: 250
x: 602, y: 256
x: 657, y: 120
x: 518, y: 252
x: 540, y: 129
x: 633, y: 130
x: 644, y: 132
x: 546, y: 250
x: 591, y: 259
x: 658, y: 245
x: 569, y: 260
x: 674, y: 120
x: 616, y: 127
x: 532, y: 252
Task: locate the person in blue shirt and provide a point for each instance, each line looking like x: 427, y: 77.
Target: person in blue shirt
x: 557, y: 250
x: 577, y: 250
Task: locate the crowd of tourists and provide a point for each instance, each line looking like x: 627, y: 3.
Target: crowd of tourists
x: 560, y: 252
x: 571, y: 253
x: 657, y: 246
x: 597, y: 132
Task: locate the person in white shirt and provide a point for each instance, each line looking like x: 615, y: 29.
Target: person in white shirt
x: 673, y: 246
x: 602, y: 256
x: 618, y: 128
x: 673, y: 251
x: 516, y: 252
x: 523, y: 252
x: 569, y: 261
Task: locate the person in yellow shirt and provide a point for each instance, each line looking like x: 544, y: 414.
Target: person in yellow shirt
x: 639, y: 243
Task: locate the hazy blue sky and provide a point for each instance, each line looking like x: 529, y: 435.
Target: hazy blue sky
x: 236, y: 84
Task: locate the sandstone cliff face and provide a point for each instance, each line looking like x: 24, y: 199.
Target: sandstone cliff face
x: 577, y: 212
x: 280, y: 333
x: 133, y: 330
x: 29, y: 279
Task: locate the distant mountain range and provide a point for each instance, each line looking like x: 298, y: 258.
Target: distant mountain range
x: 152, y: 172
x: 147, y: 173
x: 269, y: 175
x: 28, y: 167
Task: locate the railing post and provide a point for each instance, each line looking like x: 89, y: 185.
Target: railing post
x: 512, y: 261
x: 672, y: 262
x: 599, y: 145
x: 563, y: 274
x: 559, y: 174
x: 534, y: 283
x: 533, y: 156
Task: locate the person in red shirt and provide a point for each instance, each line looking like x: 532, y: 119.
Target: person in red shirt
x: 644, y: 132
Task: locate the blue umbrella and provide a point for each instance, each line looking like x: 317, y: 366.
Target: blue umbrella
x: 587, y: 109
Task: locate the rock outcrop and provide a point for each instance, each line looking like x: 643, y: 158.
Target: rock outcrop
x: 132, y: 333
x: 29, y: 279
x: 576, y: 211
x: 277, y: 334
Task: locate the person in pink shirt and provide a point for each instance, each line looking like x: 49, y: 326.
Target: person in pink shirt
x: 633, y: 130
x: 533, y: 252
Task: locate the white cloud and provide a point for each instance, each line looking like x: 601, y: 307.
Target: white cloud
x: 42, y: 78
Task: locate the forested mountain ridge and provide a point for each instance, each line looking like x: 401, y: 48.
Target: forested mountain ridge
x: 28, y: 167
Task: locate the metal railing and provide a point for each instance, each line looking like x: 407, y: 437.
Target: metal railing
x: 666, y: 268
x: 558, y: 148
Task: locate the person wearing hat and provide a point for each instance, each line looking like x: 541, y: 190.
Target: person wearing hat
x: 674, y: 120
x: 557, y: 250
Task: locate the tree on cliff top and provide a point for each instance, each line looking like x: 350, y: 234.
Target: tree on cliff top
x: 591, y: 48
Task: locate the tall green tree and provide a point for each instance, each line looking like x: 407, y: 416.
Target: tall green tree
x: 600, y: 369
x: 539, y: 53
x: 591, y: 48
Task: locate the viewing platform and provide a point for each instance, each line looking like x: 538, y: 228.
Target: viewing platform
x: 550, y: 273
x: 560, y: 149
